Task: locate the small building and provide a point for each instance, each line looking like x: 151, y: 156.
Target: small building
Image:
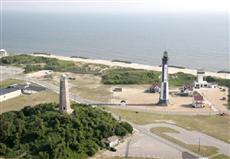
x: 186, y: 90
x: 198, y: 100
x: 20, y: 86
x: 28, y: 87
x: 155, y: 88
x: 123, y: 103
x: 8, y: 93
x: 201, y: 82
x: 3, y: 53
x: 113, y: 141
x: 18, y: 89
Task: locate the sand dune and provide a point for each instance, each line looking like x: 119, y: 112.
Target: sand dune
x: 136, y: 66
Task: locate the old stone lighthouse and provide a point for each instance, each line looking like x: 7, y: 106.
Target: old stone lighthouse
x: 64, y: 101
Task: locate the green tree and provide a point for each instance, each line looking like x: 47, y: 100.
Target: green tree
x: 43, y: 132
x: 120, y: 131
x: 127, y: 126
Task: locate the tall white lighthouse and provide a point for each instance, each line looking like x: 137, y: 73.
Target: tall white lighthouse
x: 164, y: 93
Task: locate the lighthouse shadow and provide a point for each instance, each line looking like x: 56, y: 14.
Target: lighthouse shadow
x: 158, y: 105
x: 140, y: 104
x: 186, y: 106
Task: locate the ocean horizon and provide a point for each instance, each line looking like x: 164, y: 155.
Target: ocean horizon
x: 198, y: 41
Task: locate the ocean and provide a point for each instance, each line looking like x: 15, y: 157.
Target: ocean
x: 198, y: 41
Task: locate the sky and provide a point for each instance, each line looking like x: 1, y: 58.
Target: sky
x: 118, y: 6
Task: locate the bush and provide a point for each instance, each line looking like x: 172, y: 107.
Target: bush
x: 120, y: 131
x: 130, y: 76
x: 180, y: 79
x: 127, y: 126
x: 32, y: 68
x: 135, y: 76
x: 36, y: 63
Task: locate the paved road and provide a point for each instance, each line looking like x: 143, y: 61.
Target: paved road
x: 142, y: 145
x: 153, y: 145
x: 79, y: 99
x: 55, y: 89
x: 145, y: 130
x: 192, y: 137
x: 7, y: 72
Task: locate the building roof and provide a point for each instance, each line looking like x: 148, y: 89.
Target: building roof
x: 4, y: 91
x: 113, y: 138
x: 198, y: 98
x: 26, y: 86
x: 2, y: 50
x: 19, y: 86
x: 155, y: 85
x: 123, y: 101
x: 35, y: 88
x: 200, y: 71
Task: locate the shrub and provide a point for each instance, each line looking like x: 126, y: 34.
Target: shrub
x: 130, y: 76
x: 120, y: 131
x: 127, y: 126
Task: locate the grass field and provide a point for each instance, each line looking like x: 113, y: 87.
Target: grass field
x: 101, y: 157
x: 21, y: 101
x: 85, y: 85
x: 90, y: 87
x: 125, y: 158
x: 8, y: 82
x: 129, y: 76
x: 36, y: 63
x: 216, y: 126
x: 220, y: 157
x: 99, y: 93
x: 204, y: 150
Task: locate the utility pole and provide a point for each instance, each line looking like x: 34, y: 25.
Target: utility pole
x: 127, y: 149
x: 199, y: 145
x: 210, y: 108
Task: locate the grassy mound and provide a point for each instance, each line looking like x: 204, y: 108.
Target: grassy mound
x: 135, y: 76
x: 130, y: 76
x: 180, y: 79
x: 36, y: 63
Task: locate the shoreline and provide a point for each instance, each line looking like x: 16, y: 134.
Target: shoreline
x: 112, y: 63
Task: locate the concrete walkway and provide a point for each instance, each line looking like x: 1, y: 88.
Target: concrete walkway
x: 193, y: 137
x: 142, y: 145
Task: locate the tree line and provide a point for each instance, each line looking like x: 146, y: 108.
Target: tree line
x: 42, y: 132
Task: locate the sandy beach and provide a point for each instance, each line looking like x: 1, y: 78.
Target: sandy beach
x: 172, y: 70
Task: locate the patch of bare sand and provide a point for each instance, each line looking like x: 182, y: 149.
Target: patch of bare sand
x: 135, y: 66
x: 41, y: 73
x: 90, y: 87
x: 135, y: 95
x: 215, y: 96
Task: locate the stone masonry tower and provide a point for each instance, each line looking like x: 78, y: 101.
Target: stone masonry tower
x: 64, y: 102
